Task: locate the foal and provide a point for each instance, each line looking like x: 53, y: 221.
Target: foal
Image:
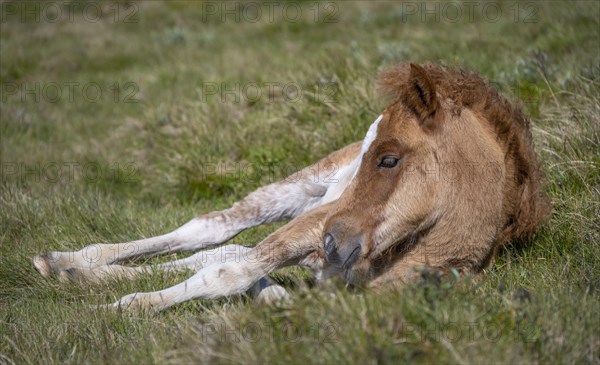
x: 445, y: 176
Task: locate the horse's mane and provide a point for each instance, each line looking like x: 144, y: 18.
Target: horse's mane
x: 467, y: 89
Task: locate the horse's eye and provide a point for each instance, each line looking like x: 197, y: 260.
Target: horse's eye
x: 388, y: 162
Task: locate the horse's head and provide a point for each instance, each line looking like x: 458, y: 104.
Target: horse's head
x: 414, y: 177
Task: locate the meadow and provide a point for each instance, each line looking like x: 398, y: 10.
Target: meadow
x: 124, y: 120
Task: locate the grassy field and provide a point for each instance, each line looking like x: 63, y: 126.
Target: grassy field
x: 120, y: 122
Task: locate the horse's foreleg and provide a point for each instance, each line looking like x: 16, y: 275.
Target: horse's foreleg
x: 296, y: 243
x: 266, y: 290
x: 289, y: 198
x: 274, y: 202
x: 195, y: 262
x: 209, y: 229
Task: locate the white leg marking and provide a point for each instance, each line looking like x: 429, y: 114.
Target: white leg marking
x: 213, y: 281
x: 227, y: 253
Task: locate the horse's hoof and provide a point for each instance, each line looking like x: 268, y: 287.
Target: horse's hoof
x: 42, y: 265
x: 273, y: 295
x: 67, y: 276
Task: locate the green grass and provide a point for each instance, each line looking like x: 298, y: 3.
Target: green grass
x: 538, y: 303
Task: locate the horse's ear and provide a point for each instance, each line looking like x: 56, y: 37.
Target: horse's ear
x: 420, y: 93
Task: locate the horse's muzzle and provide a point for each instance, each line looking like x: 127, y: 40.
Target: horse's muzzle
x: 342, y: 255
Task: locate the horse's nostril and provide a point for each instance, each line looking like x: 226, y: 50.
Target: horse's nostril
x: 328, y: 245
x: 352, y: 258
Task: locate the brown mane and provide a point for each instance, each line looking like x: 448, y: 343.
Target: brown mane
x: 526, y: 206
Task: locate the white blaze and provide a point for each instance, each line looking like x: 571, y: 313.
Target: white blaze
x: 369, y: 138
x: 346, y: 174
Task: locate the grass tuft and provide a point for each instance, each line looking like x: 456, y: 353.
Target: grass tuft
x: 145, y: 158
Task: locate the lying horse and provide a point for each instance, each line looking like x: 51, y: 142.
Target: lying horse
x: 443, y: 178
